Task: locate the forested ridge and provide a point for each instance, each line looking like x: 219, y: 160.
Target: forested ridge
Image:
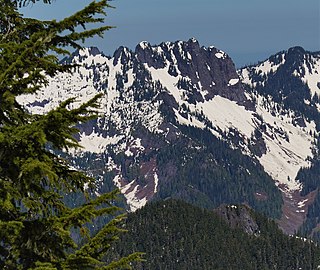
x: 177, y: 235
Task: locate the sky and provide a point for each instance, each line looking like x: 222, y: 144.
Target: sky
x: 248, y: 30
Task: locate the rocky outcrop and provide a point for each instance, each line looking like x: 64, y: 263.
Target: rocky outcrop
x: 203, y: 68
x: 239, y: 216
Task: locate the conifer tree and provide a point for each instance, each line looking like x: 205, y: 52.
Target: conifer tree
x: 35, y: 223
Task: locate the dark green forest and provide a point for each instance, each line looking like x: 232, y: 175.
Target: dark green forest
x: 177, y: 235
x: 209, y: 173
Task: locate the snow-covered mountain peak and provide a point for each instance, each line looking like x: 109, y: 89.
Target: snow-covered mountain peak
x: 144, y: 45
x: 294, y: 62
x: 287, y: 85
x: 89, y: 53
x: 154, y: 94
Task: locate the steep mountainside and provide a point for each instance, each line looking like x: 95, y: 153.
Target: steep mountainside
x: 290, y: 80
x: 177, y: 120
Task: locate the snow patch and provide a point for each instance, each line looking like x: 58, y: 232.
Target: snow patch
x: 192, y: 121
x: 130, y: 193
x: 285, y: 156
x: 233, y: 82
x: 96, y: 143
x: 128, y: 153
x: 312, y: 77
x: 156, y: 183
x: 144, y: 45
x: 227, y: 114
x: 302, y: 203
x: 266, y: 67
x: 220, y: 55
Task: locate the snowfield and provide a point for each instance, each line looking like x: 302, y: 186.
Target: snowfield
x: 289, y: 146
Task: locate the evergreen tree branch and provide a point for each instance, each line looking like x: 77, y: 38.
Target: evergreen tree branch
x: 36, y: 225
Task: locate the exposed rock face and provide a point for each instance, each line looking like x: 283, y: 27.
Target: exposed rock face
x: 294, y: 211
x: 202, y: 68
x: 239, y: 216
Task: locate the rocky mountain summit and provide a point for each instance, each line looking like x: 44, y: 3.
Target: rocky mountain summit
x: 178, y: 120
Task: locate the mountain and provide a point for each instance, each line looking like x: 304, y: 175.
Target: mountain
x: 176, y: 235
x: 177, y: 120
x: 290, y: 81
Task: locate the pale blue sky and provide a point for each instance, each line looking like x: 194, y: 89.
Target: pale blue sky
x: 248, y: 30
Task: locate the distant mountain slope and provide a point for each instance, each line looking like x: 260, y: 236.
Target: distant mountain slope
x: 175, y: 235
x: 290, y: 80
x: 178, y: 120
